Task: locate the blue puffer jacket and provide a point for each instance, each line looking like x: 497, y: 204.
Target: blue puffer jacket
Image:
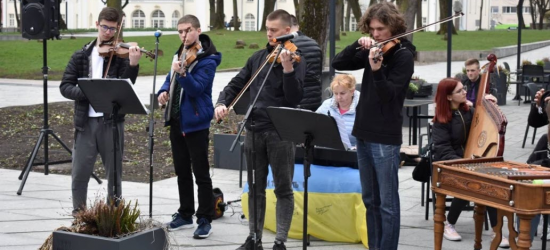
x: 196, y: 108
x: 348, y: 117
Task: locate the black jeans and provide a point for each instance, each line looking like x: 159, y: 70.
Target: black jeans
x: 270, y: 150
x: 190, y: 154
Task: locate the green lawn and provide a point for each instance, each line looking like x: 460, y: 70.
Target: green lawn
x: 23, y: 59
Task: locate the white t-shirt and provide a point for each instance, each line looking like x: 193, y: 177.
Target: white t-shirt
x: 97, y: 72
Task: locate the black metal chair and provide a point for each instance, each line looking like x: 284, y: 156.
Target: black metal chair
x: 532, y: 89
x: 531, y: 73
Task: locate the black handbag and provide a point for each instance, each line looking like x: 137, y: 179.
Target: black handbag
x: 422, y: 171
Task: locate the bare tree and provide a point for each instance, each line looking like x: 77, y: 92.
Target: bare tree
x: 62, y: 23
x: 356, y: 9
x: 269, y: 6
x: 339, y: 18
x: 521, y: 22
x: 481, y: 15
x: 315, y: 23
x: 17, y: 16
x: 542, y: 6
x: 534, y: 14
x: 347, y: 17
x: 216, y: 15
x: 236, y: 22
x: 115, y: 4
x: 419, y: 22
x: 212, y: 4
x: 298, y: 9
x: 443, y: 10
x: 1, y: 16
x: 409, y: 14
x: 220, y: 16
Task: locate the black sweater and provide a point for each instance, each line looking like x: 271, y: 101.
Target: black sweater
x: 280, y: 90
x: 379, y: 118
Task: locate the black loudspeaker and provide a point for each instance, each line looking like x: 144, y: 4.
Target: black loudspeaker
x: 40, y: 19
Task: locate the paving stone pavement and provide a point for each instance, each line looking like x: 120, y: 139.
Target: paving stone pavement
x: 27, y: 220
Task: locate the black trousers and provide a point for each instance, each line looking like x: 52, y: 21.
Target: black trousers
x: 456, y: 208
x: 190, y: 154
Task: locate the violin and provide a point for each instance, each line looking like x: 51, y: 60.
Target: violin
x: 121, y: 49
x: 385, y: 47
x: 391, y: 42
x: 287, y: 46
x: 190, y: 53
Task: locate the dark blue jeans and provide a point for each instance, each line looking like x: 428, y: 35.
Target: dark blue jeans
x: 270, y: 150
x: 378, y: 168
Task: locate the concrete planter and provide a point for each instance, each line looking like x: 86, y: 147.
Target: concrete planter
x: 223, y: 158
x: 154, y: 239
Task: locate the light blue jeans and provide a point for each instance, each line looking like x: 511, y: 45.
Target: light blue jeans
x: 378, y: 168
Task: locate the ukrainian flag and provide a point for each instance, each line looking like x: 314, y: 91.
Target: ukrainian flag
x: 335, y: 208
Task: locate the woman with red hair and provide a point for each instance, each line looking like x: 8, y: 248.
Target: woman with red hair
x: 451, y: 127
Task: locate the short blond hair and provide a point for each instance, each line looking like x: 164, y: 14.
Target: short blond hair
x: 345, y: 80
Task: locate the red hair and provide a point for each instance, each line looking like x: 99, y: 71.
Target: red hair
x: 443, y: 112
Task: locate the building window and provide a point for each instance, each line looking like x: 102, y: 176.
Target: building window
x: 424, y: 20
x: 11, y: 20
x: 249, y: 1
x: 249, y: 22
x: 353, y: 24
x: 190, y: 1
x: 527, y: 10
x: 478, y: 23
x: 175, y: 19
x: 158, y: 19
x: 494, y: 9
x: 509, y: 9
x: 138, y: 19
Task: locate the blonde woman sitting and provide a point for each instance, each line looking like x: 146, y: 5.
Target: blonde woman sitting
x: 342, y: 104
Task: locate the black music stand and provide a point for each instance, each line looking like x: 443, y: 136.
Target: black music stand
x: 240, y: 109
x: 120, y: 98
x: 309, y: 128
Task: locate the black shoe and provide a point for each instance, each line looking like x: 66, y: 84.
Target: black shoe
x: 249, y: 244
x: 279, y: 246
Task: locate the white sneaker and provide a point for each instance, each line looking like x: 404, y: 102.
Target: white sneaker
x: 450, y: 233
x: 504, y: 243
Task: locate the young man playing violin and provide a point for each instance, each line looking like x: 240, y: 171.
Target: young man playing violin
x: 283, y: 88
x: 93, y: 130
x: 378, y: 118
x: 187, y: 94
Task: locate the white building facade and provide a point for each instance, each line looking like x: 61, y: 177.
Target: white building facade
x: 82, y: 14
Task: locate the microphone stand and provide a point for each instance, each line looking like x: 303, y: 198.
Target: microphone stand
x: 249, y: 113
x: 151, y: 127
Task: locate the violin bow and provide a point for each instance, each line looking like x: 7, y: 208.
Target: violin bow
x: 444, y: 20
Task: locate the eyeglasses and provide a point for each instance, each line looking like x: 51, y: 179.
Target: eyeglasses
x: 105, y: 28
x: 460, y: 91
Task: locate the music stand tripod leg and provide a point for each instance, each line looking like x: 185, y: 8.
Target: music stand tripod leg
x: 70, y: 152
x: 308, y: 156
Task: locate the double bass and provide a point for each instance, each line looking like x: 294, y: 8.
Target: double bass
x: 486, y: 138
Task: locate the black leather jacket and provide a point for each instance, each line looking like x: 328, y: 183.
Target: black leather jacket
x: 79, y: 67
x: 450, y: 138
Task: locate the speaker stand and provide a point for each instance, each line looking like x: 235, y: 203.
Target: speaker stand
x: 45, y: 132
